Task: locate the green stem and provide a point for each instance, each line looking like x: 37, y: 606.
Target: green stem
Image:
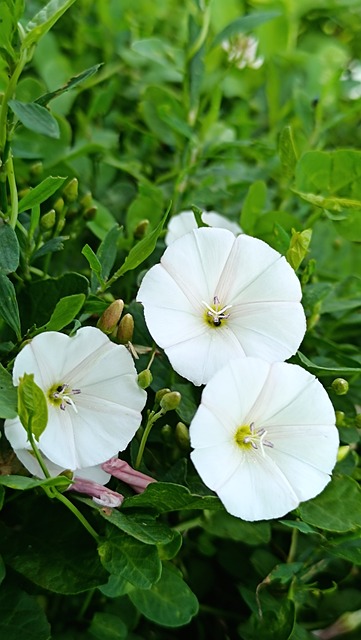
x: 60, y: 496
x: 152, y: 418
x: 13, y: 191
x: 36, y: 451
x: 293, y: 546
x: 9, y: 92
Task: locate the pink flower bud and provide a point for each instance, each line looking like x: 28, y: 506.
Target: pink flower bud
x: 123, y: 471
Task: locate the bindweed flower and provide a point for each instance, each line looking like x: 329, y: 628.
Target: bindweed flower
x: 264, y: 437
x: 185, y: 221
x: 120, y: 469
x: 214, y: 297
x: 94, y: 401
x: 101, y: 495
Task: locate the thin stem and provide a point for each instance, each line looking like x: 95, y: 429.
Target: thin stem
x: 293, y: 546
x: 60, y: 496
x: 36, y: 451
x: 9, y: 92
x: 152, y: 418
x: 13, y: 191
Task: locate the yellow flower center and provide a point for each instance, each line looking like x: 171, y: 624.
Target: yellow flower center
x: 60, y: 396
x: 248, y: 438
x: 215, y: 315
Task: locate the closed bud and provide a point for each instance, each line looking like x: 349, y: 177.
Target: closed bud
x: 47, y: 221
x: 141, y: 229
x: 86, y: 201
x: 159, y: 395
x: 340, y: 419
x: 59, y: 205
x: 111, y: 316
x: 182, y: 436
x: 358, y: 420
x: 340, y: 386
x: 125, y: 329
x: 70, y: 191
x: 170, y: 400
x: 145, y: 379
x: 343, y: 452
x: 37, y: 168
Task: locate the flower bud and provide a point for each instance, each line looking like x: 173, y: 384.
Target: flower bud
x: 340, y: 419
x: 86, y: 201
x: 59, y: 205
x: 37, y: 168
x: 182, y: 436
x: 141, y: 229
x: 167, y: 434
x: 145, y: 379
x: 125, y: 329
x: 159, y: 395
x: 343, y: 452
x: 170, y: 400
x: 340, y: 386
x: 90, y: 213
x: 48, y: 220
x: 111, y: 316
x: 70, y: 191
x: 358, y: 421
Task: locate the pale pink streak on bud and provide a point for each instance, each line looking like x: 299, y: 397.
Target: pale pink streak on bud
x: 101, y: 495
x: 123, y: 471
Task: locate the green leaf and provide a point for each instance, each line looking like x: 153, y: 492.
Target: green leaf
x: 274, y: 624
x: 51, y: 246
x: 332, y: 181
x: 73, y: 82
x: 8, y: 395
x: 9, y: 249
x: 65, y: 311
x: 321, y: 512
x: 223, y: 525
x: 32, y: 406
x: 23, y: 483
x: 106, y: 254
x: 22, y: 616
x: 253, y: 205
x: 287, y: 152
x: 169, y: 602
x: 326, y: 371
x: 348, y: 548
x: 106, y: 626
x: 9, y: 310
x: 141, y: 251
x: 165, y: 496
x: 298, y: 249
x: 36, y: 118
x: 44, y: 20
x: 51, y: 548
x: 144, y: 528
x: 41, y: 192
x: 134, y: 561
x: 94, y: 263
x: 244, y: 24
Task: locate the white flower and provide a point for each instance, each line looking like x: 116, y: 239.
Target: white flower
x: 214, y: 297
x: 242, y: 52
x: 94, y: 401
x: 185, y: 221
x: 264, y: 437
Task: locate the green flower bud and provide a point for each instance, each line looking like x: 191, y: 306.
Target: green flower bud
x: 340, y: 386
x: 86, y: 201
x: 170, y: 400
x: 125, y: 329
x: 59, y: 205
x: 340, y: 419
x: 145, y: 379
x: 48, y: 220
x: 358, y: 421
x: 70, y: 191
x: 111, y: 316
x: 343, y: 452
x: 141, y: 229
x: 167, y: 434
x: 37, y: 169
x: 159, y: 395
x: 182, y: 436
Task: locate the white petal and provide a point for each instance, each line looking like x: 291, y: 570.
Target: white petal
x: 44, y: 356
x: 185, y: 221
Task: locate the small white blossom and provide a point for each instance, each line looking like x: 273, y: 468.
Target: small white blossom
x: 264, y: 437
x: 214, y: 297
x: 185, y: 221
x: 94, y: 401
x: 242, y: 52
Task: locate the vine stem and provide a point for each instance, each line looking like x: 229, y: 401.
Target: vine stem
x: 60, y: 496
x: 152, y: 418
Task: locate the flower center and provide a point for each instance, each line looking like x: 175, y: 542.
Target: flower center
x: 247, y: 437
x: 60, y: 396
x: 215, y: 315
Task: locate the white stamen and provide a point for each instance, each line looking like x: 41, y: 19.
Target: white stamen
x: 62, y: 393
x: 217, y: 314
x: 257, y: 439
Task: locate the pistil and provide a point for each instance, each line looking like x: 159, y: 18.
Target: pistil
x: 216, y: 314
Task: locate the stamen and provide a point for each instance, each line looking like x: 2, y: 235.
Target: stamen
x: 217, y: 314
x: 249, y: 435
x: 63, y: 393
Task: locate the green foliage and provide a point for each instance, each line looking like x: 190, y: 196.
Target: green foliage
x: 142, y: 110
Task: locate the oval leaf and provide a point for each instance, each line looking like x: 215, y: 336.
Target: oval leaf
x: 32, y: 406
x: 35, y: 118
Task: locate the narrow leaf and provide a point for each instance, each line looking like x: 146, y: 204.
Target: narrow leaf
x: 9, y: 309
x: 9, y: 249
x: 44, y: 20
x: 35, y: 118
x: 94, y: 263
x: 41, y: 192
x: 65, y: 311
x: 73, y: 82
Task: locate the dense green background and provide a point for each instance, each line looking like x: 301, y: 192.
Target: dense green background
x: 160, y: 119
